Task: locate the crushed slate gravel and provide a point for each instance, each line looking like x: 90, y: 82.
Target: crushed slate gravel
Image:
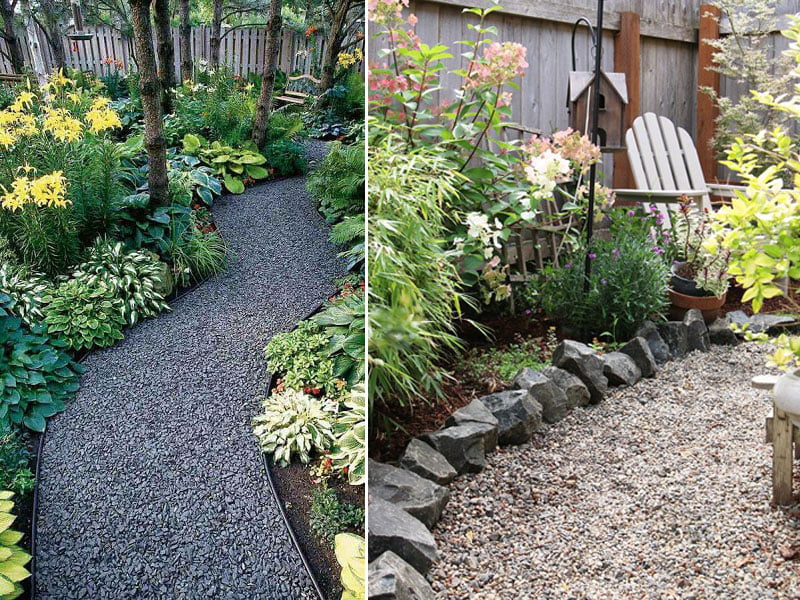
x: 151, y: 484
x: 662, y: 491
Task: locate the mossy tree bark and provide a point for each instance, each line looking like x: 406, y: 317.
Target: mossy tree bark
x: 264, y: 105
x: 216, y: 31
x: 9, y: 34
x: 150, y: 87
x: 185, y: 38
x: 166, y: 53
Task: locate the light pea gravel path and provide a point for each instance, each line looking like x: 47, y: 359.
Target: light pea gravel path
x: 660, y: 492
x: 152, y: 486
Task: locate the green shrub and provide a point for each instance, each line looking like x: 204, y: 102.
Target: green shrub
x: 349, y: 454
x: 329, y: 516
x: 38, y: 375
x: 286, y: 157
x: 283, y: 125
x: 232, y: 165
x: 343, y: 323
x: 84, y: 316
x: 25, y: 289
x: 136, y: 277
x: 14, y: 558
x: 351, y: 233
x: 198, y: 255
x: 15, y: 472
x: 414, y: 290
x: 628, y: 284
x: 293, y: 423
x: 301, y: 356
x: 337, y: 185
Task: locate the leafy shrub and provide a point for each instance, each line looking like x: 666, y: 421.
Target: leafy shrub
x: 84, y: 316
x: 294, y: 423
x: 198, y: 255
x: 231, y: 164
x: 351, y: 554
x: 301, y: 356
x: 350, y: 444
x: 628, y: 285
x: 157, y: 228
x: 337, y: 185
x: 343, y: 322
x: 15, y: 472
x: 14, y: 558
x: 414, y: 290
x: 351, y: 233
x: 283, y: 125
x: 286, y: 157
x: 25, y: 289
x: 329, y: 516
x: 136, y: 277
x: 347, y: 99
x: 38, y: 375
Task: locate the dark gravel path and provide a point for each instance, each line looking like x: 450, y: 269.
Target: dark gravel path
x: 151, y: 483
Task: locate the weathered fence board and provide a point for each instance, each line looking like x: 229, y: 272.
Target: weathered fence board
x: 241, y: 49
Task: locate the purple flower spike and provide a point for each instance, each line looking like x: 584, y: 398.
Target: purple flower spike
x: 592, y: 255
x: 631, y: 213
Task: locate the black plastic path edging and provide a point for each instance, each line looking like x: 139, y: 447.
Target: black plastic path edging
x: 271, y: 479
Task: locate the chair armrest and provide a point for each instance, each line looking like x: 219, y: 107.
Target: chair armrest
x: 661, y: 196
x: 725, y: 190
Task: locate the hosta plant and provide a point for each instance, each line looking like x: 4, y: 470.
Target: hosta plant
x: 350, y: 445
x: 135, y: 277
x: 12, y: 557
x: 293, y: 423
x: 37, y: 375
x: 25, y: 290
x: 343, y: 321
x: 84, y: 316
x: 301, y: 356
x: 232, y: 164
x: 351, y: 553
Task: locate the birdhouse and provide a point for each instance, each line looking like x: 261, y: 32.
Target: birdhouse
x: 613, y: 106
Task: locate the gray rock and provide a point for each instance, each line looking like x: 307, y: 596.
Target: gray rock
x: 696, y: 331
x: 419, y: 497
x: 676, y: 336
x: 759, y: 322
x: 584, y: 362
x: 575, y: 390
x: 517, y: 414
x: 426, y: 462
x: 658, y: 347
x: 476, y: 412
x: 548, y: 394
x: 525, y: 379
x: 620, y: 369
x: 392, y: 578
x: 463, y: 446
x: 639, y: 350
x: 721, y: 334
x: 393, y: 529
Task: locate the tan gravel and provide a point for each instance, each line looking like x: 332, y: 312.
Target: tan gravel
x: 661, y: 491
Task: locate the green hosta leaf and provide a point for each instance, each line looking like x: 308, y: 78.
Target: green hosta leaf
x: 234, y: 184
x: 256, y: 172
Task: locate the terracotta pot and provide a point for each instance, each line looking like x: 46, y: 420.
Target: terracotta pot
x: 708, y: 305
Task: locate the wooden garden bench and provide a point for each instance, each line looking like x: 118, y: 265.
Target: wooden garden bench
x: 299, y: 89
x: 785, y: 440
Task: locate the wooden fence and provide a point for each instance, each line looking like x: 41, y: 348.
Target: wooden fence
x: 242, y: 50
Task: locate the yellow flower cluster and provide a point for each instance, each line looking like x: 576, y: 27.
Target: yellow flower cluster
x: 14, y: 123
x: 47, y: 190
x: 62, y: 125
x: 346, y: 60
x: 101, y: 117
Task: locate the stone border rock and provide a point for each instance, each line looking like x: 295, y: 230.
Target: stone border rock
x: 405, y: 502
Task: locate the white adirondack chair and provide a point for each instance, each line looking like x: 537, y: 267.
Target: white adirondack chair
x: 666, y: 167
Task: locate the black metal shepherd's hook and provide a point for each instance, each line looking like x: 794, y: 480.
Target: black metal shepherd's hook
x: 597, y: 42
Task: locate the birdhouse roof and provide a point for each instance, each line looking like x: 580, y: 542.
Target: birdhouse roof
x: 580, y: 80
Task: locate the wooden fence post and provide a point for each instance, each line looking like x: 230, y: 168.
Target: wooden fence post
x: 628, y: 60
x: 707, y: 110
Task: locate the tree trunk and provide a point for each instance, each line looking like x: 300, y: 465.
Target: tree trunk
x: 216, y: 31
x: 50, y: 22
x: 166, y: 53
x: 334, y: 45
x: 185, y: 35
x: 10, y: 37
x: 151, y: 104
x: 268, y: 79
x: 56, y: 42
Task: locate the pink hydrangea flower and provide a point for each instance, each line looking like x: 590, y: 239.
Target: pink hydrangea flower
x: 385, y: 11
x: 500, y: 64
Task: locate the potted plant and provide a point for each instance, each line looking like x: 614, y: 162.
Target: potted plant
x: 699, y: 272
